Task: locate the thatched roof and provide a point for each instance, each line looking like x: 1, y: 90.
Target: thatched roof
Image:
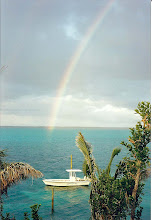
x: 15, y: 172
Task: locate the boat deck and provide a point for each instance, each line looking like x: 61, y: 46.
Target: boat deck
x: 66, y: 182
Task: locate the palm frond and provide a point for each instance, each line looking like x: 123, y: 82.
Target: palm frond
x: 86, y: 149
x: 85, y: 168
x: 15, y: 172
x: 115, y: 152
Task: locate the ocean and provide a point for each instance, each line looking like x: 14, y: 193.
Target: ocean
x: 50, y: 153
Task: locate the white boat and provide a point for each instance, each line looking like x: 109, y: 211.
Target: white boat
x: 72, y: 181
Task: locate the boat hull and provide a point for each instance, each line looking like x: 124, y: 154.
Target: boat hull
x: 65, y: 182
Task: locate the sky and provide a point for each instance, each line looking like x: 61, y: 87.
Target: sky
x: 40, y: 39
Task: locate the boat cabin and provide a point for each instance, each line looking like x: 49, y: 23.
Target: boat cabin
x: 72, y: 173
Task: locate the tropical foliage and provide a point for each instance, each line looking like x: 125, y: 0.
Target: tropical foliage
x: 2, y: 159
x: 14, y: 172
x: 89, y: 161
x: 135, y: 167
x: 34, y: 214
x: 116, y: 197
x: 11, y: 173
x: 103, y: 186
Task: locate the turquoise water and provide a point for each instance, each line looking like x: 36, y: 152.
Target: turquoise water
x: 50, y: 153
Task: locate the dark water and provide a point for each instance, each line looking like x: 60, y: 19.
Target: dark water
x: 50, y: 153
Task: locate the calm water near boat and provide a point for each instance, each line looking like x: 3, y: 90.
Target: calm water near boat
x: 50, y: 153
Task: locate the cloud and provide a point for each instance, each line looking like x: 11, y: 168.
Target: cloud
x: 74, y: 111
x: 38, y: 41
x: 91, y: 113
x: 74, y: 25
x: 43, y: 36
x: 71, y: 31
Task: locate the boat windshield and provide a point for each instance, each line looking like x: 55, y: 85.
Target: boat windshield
x: 72, y: 174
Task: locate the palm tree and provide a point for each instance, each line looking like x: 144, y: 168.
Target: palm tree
x: 14, y: 172
x: 90, y: 168
x: 89, y: 165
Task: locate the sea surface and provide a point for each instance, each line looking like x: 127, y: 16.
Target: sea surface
x: 49, y: 151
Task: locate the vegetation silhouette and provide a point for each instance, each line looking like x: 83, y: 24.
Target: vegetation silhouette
x: 116, y: 197
x: 12, y: 173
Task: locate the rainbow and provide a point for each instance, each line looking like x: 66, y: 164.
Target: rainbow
x: 74, y: 61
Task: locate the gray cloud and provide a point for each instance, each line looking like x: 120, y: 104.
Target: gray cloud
x: 40, y: 37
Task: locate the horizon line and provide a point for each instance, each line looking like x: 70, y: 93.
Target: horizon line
x: 45, y: 126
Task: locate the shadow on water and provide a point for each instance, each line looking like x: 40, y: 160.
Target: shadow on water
x: 67, y: 188
x: 68, y: 201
